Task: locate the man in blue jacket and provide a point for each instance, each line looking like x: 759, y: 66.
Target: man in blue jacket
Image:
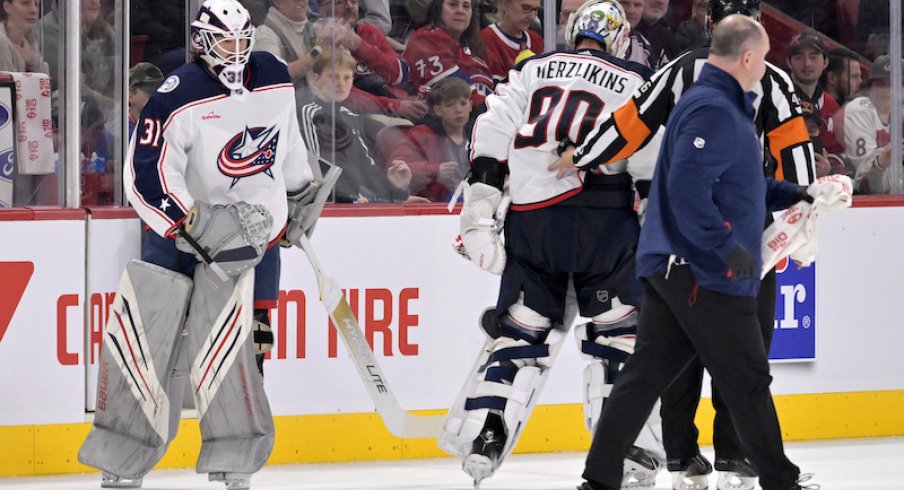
x: 700, y: 260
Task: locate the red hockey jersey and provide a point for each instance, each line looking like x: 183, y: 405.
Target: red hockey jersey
x: 502, y: 49
x: 432, y: 55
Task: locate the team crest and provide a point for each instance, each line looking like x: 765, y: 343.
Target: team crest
x: 250, y: 152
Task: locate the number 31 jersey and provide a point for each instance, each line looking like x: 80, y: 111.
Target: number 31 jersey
x: 547, y: 99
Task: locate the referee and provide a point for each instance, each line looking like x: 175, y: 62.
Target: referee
x: 699, y: 257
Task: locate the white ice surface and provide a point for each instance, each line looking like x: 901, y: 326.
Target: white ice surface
x: 859, y: 464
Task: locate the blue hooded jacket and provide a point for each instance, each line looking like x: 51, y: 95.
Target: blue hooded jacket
x: 709, y: 194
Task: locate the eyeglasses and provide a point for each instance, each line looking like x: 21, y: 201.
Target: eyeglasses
x: 527, y: 9
x: 342, y: 2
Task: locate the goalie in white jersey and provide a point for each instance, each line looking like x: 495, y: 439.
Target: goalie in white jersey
x: 218, y: 171
x: 578, y: 231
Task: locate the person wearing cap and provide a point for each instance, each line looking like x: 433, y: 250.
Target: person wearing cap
x: 144, y: 78
x: 864, y: 127
x: 807, y: 60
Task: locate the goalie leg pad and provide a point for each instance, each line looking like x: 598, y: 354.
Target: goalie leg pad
x: 233, y: 412
x: 139, y: 395
x: 506, y: 381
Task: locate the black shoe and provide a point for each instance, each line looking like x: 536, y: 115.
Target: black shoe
x: 740, y: 466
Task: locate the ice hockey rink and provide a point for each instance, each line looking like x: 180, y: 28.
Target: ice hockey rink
x: 859, y: 464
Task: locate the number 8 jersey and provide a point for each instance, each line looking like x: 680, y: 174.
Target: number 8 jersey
x: 546, y: 99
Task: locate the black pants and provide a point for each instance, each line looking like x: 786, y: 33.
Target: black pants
x: 680, y: 400
x: 678, y: 323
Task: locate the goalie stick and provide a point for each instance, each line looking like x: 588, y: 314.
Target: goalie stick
x: 399, y: 422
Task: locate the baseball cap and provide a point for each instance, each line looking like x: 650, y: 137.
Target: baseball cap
x: 144, y: 76
x: 881, y: 68
x: 806, y: 39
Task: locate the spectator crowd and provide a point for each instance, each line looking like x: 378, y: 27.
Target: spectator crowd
x: 388, y: 89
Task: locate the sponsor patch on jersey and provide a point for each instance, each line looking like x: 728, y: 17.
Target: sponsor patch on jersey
x: 6, y: 115
x: 249, y: 152
x: 169, y: 84
x: 699, y: 143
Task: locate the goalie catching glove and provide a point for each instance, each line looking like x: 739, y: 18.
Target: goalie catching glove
x: 306, y: 205
x: 233, y: 235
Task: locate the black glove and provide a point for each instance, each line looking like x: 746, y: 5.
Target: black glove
x: 740, y: 264
x: 802, y: 194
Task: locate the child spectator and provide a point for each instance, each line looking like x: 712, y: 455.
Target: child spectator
x: 436, y: 151
x: 336, y: 133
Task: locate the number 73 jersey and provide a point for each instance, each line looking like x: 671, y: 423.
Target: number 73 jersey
x: 547, y: 99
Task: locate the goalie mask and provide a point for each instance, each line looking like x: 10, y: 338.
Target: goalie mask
x: 222, y: 34
x: 603, y: 21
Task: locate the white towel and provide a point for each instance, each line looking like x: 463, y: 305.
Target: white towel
x: 793, y: 233
x: 35, y: 128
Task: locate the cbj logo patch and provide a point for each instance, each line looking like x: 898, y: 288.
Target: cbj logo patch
x: 250, y: 152
x: 15, y: 279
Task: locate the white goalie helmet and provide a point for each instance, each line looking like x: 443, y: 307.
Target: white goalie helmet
x: 223, y: 35
x: 603, y: 21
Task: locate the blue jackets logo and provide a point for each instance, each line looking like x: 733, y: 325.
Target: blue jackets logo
x: 795, y: 313
x: 249, y: 152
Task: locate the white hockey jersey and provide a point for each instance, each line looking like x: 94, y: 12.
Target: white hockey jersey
x: 864, y: 134
x: 547, y: 99
x: 196, y: 142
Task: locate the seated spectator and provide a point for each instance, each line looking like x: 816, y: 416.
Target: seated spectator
x: 335, y: 133
x: 505, y: 40
x: 692, y: 32
x: 873, y: 26
x: 287, y: 34
x: 18, y: 48
x: 144, y: 78
x: 806, y: 59
x: 657, y: 32
x: 381, y: 71
x: 639, y: 49
x: 863, y: 125
x: 436, y: 151
x: 98, y: 54
x: 841, y: 80
x: 449, y: 45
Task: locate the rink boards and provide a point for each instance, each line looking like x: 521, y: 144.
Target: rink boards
x: 417, y: 302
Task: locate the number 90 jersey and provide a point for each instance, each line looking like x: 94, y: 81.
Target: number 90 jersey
x: 547, y: 99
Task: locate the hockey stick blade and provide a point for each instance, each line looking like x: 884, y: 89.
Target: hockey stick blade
x: 399, y: 422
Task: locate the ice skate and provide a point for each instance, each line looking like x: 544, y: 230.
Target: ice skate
x: 486, y: 450
x: 109, y: 480
x: 692, y: 474
x: 233, y: 481
x: 640, y: 469
x: 735, y: 474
